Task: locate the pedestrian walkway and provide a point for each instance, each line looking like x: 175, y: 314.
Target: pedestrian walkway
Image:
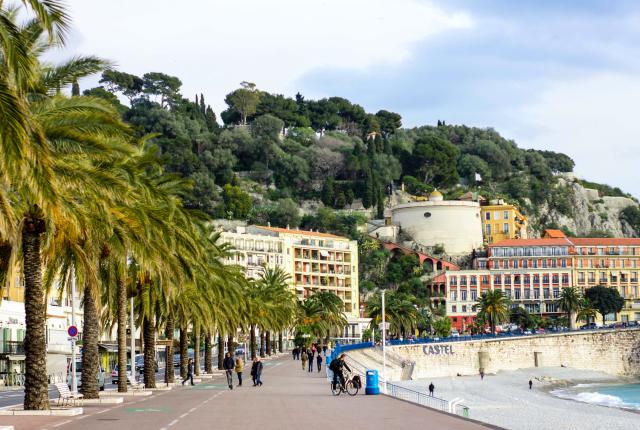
x: 289, y: 399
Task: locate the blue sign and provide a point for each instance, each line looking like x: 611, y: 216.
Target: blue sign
x: 72, y: 331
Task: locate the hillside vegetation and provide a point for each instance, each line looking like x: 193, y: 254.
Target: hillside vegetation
x: 273, y: 153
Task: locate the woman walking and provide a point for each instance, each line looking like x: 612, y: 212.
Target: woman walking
x: 319, y: 360
x: 239, y: 368
x: 310, y: 358
x: 254, y: 365
x: 258, y: 372
x: 304, y: 359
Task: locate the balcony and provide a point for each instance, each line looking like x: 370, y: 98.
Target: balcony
x: 12, y: 347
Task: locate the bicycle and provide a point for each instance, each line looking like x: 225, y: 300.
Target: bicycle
x: 350, y: 386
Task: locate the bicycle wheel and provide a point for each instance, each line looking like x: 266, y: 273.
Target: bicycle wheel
x: 336, y: 389
x: 352, y: 389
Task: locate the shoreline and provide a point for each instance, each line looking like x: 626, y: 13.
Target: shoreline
x: 504, y: 399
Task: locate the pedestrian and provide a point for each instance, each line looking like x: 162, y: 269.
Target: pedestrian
x: 239, y: 368
x: 310, y: 358
x: 431, y: 389
x: 304, y: 357
x: 258, y: 372
x: 293, y: 352
x: 481, y: 374
x: 324, y: 350
x: 319, y: 361
x: 229, y: 365
x: 530, y: 383
x: 189, y: 372
x: 254, y: 365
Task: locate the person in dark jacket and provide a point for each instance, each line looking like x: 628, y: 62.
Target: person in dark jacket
x: 310, y: 358
x: 431, y: 389
x: 319, y: 361
x: 254, y: 365
x: 189, y: 372
x: 295, y: 353
x: 229, y: 366
x: 336, y: 366
x: 258, y: 371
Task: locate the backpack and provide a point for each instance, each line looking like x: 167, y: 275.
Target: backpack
x: 357, y: 382
x: 333, y: 366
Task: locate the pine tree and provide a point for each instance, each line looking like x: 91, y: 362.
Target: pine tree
x: 387, y: 147
x: 341, y: 200
x: 367, y: 198
x: 203, y: 107
x: 349, y: 197
x: 328, y: 193
x: 380, y: 206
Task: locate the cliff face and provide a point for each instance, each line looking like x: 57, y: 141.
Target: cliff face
x: 590, y: 212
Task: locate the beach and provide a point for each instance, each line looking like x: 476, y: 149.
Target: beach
x: 505, y: 400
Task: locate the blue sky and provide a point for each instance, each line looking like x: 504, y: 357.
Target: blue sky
x: 560, y: 75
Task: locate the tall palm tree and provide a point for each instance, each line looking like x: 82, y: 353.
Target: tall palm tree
x: 331, y: 309
x: 587, y: 311
x: 400, y: 312
x: 493, y: 307
x: 569, y: 302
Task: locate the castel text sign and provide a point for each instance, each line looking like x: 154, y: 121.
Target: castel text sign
x: 437, y: 350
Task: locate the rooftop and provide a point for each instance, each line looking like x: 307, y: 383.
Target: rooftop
x: 297, y: 232
x: 532, y: 242
x: 597, y: 241
x: 554, y: 234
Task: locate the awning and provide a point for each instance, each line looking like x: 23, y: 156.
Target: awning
x: 324, y: 253
x: 16, y: 357
x: 109, y: 347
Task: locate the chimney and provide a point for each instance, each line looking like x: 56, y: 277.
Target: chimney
x: 287, y: 226
x: 268, y: 223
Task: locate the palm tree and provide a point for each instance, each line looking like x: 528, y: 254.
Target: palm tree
x: 493, y: 306
x: 570, y: 303
x: 587, y: 312
x: 400, y: 312
x: 331, y: 311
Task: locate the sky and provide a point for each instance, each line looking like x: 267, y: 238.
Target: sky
x: 560, y: 75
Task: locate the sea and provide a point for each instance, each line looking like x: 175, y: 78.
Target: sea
x: 623, y: 396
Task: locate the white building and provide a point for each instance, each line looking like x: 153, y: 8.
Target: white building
x: 454, y: 224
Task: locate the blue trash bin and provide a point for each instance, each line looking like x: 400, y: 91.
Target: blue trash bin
x: 372, y: 383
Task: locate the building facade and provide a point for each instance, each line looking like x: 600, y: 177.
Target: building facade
x: 501, y: 221
x: 314, y: 261
x: 453, y: 224
x: 532, y: 273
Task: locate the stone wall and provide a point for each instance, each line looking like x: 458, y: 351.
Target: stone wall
x: 613, y: 352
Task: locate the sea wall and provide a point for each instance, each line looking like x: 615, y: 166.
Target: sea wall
x: 610, y: 351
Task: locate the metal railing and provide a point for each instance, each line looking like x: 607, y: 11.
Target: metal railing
x: 12, y: 347
x: 424, y: 399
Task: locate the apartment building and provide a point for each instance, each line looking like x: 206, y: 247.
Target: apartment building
x: 501, y: 221
x: 531, y: 272
x: 314, y: 261
x: 613, y: 263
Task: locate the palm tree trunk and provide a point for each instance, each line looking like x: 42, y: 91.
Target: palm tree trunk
x: 261, y: 343
x: 220, y: 351
x: 90, y: 356
x: 122, y: 337
x: 149, y: 328
x: 196, y: 350
x: 184, y: 353
x: 231, y: 345
x: 280, y: 347
x: 252, y: 340
x: 169, y: 371
x: 36, y: 395
x: 268, y: 342
x: 208, y: 353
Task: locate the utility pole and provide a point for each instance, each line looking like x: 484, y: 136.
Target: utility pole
x: 74, y: 378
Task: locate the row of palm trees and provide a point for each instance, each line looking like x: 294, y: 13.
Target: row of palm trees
x: 83, y: 201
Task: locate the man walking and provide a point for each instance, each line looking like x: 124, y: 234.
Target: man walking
x: 431, y: 389
x: 310, y: 358
x: 189, y: 372
x: 258, y: 372
x: 303, y: 358
x: 319, y: 361
x: 229, y: 365
x: 530, y: 383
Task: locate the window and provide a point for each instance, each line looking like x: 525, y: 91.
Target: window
x: 505, y: 227
x: 536, y: 294
x: 454, y: 308
x: 546, y: 293
x: 527, y: 294
x: 454, y: 280
x: 544, y: 264
x: 496, y: 215
x: 464, y: 308
x: 556, y: 293
x: 592, y: 277
x: 487, y: 216
x: 463, y: 280
x: 474, y: 280
x: 507, y: 279
x: 454, y: 295
x: 545, y: 279
x: 474, y: 295
x: 565, y: 279
x: 485, y: 279
x: 525, y: 264
x: 556, y: 279
x: 463, y: 295
x: 580, y: 277
x: 563, y: 262
x: 505, y: 214
x: 536, y: 279
x: 488, y: 229
x: 518, y: 294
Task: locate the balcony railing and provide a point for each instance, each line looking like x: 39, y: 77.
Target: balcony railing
x: 11, y: 347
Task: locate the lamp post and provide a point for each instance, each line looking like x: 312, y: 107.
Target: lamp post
x: 384, y: 345
x: 133, y: 345
x: 74, y: 378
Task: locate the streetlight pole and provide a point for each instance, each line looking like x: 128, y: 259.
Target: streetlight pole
x: 384, y: 345
x: 74, y: 378
x: 133, y: 345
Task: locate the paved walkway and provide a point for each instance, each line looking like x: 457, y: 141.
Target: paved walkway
x: 289, y: 399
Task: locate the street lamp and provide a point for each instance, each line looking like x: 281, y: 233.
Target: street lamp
x: 384, y: 344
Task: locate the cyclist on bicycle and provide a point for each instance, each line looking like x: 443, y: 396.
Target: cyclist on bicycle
x: 336, y: 366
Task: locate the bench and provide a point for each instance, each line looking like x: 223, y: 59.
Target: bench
x: 65, y: 396
x: 134, y: 384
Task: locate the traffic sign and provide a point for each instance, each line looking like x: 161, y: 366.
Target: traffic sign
x: 72, y: 331
x: 72, y: 339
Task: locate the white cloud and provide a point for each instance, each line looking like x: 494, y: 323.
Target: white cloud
x: 594, y: 120
x: 213, y: 45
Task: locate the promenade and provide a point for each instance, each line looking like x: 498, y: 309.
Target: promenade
x: 289, y: 399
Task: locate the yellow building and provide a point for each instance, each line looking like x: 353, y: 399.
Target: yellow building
x: 613, y: 263
x: 501, y: 221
